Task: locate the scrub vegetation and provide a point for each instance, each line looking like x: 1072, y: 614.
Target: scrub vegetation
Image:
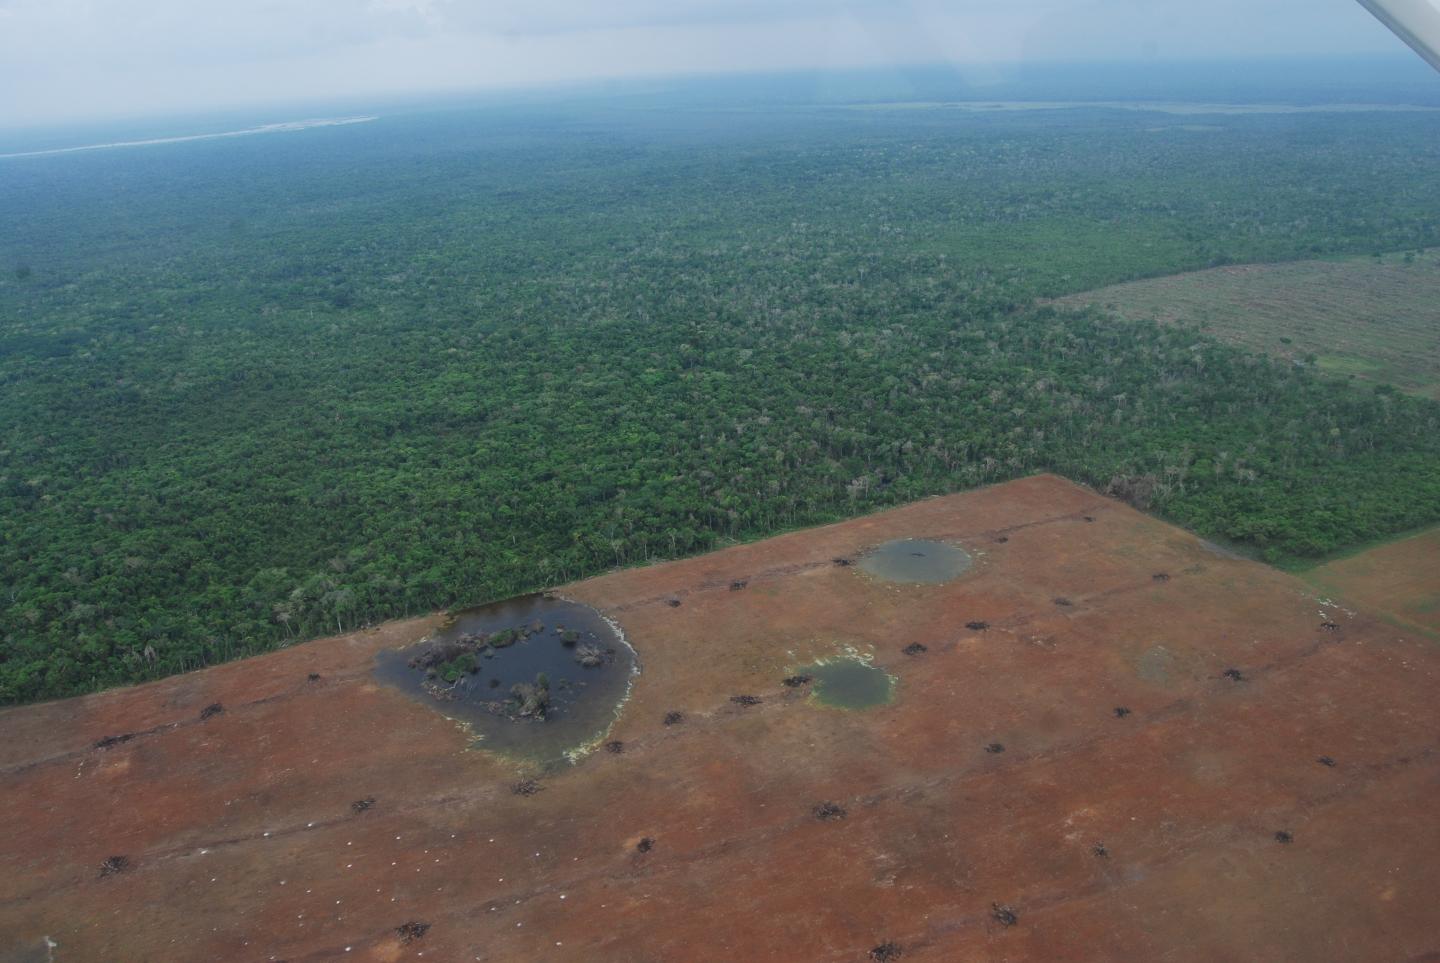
x: 261, y: 389
x: 1399, y: 579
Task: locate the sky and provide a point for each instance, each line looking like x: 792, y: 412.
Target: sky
x: 64, y: 60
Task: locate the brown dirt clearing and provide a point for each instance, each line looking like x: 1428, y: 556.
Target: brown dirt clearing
x: 1151, y: 836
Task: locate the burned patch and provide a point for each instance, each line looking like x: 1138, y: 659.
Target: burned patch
x: 1327, y: 762
x: 746, y: 700
x: 977, y: 626
x: 915, y: 648
x: 1004, y: 915
x: 109, y: 742
x: 887, y: 952
x: 615, y: 747
x: 827, y: 811
x: 674, y: 718
x: 114, y: 866
x: 211, y: 711
x: 995, y: 748
x: 1234, y: 675
x: 1121, y: 712
x: 645, y: 845
x: 796, y: 681
x: 362, y: 805
x: 1284, y: 837
x: 411, y: 931
x: 526, y: 787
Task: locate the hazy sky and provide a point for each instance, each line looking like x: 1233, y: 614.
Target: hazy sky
x: 65, y: 59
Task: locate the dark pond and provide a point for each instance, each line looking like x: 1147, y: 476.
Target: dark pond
x: 535, y: 677
x: 916, y: 561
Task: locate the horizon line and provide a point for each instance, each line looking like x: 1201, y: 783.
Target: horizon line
x: 603, y: 83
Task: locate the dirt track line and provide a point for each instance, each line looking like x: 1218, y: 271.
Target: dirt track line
x: 127, y: 737
x: 723, y: 713
x: 770, y: 574
x: 1012, y: 760
x: 1191, y: 845
x: 1084, y: 604
x: 155, y: 857
x: 1238, y: 830
x: 789, y: 698
x: 778, y: 700
x: 796, y: 568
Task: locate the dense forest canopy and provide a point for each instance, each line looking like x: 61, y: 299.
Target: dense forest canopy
x: 259, y: 389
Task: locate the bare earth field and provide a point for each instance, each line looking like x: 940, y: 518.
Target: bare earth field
x: 1400, y: 579
x: 998, y: 808
x: 1378, y: 320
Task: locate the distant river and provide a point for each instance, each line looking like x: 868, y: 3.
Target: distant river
x: 284, y: 128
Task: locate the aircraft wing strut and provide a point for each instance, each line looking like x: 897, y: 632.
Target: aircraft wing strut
x: 1417, y: 22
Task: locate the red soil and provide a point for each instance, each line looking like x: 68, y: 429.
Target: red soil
x: 242, y: 843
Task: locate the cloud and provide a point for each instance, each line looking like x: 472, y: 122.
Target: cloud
x: 99, y: 57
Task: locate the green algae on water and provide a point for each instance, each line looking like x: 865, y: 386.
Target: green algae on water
x: 849, y: 684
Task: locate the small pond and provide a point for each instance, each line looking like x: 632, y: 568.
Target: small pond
x: 916, y: 561
x: 535, y: 677
x: 849, y: 684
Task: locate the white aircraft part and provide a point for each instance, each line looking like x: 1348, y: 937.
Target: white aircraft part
x: 1417, y: 22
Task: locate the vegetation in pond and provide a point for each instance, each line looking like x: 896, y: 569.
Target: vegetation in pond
x: 451, y: 658
x: 916, y: 561
x: 535, y: 677
x: 849, y: 683
x: 254, y: 391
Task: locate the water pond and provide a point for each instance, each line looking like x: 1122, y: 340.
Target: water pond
x: 849, y: 684
x: 535, y: 677
x: 916, y: 561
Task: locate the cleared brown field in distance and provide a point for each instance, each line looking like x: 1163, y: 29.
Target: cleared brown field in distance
x: 1376, y: 319
x: 1400, y: 579
x: 1107, y: 741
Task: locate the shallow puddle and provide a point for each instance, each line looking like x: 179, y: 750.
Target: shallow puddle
x: 916, y: 561
x: 535, y: 677
x: 849, y: 684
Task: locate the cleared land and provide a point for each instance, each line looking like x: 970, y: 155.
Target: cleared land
x: 1376, y: 319
x: 1400, y: 579
x: 998, y: 807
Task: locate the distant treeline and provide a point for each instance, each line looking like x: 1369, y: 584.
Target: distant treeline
x: 256, y: 391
